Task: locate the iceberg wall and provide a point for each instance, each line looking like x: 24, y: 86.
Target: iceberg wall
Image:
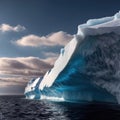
x: 88, y: 67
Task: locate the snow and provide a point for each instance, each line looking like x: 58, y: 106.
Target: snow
x: 32, y: 85
x: 59, y: 65
x: 100, y: 26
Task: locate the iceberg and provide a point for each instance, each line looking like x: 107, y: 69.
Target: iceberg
x: 88, y: 67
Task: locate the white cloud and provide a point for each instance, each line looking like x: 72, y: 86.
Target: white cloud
x: 28, y: 66
x: 5, y: 81
x: 50, y: 57
x: 7, y: 28
x: 18, y: 71
x: 57, y: 38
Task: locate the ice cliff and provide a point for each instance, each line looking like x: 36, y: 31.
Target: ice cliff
x: 88, y: 67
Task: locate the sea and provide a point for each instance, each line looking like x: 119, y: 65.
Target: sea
x: 19, y: 108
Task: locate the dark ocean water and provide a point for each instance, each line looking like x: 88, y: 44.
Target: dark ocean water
x: 19, y: 108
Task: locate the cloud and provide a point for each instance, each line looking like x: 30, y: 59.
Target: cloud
x: 28, y: 66
x: 13, y: 84
x: 51, y: 60
x: 18, y: 80
x: 50, y: 57
x: 58, y: 38
x: 7, y: 28
x: 16, y: 72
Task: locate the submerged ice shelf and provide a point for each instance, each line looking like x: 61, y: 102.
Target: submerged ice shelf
x: 87, y: 68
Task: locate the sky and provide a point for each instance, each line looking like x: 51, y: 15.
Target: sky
x: 32, y: 32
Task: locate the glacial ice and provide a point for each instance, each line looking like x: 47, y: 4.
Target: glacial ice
x: 88, y: 67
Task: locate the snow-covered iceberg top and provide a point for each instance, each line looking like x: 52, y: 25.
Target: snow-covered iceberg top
x: 100, y: 26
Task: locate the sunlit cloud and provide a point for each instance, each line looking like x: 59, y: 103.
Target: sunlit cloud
x: 57, y: 38
x: 7, y: 28
x: 20, y: 80
x: 16, y: 72
x: 29, y: 66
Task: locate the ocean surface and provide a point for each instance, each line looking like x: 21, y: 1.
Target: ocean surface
x: 19, y: 108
